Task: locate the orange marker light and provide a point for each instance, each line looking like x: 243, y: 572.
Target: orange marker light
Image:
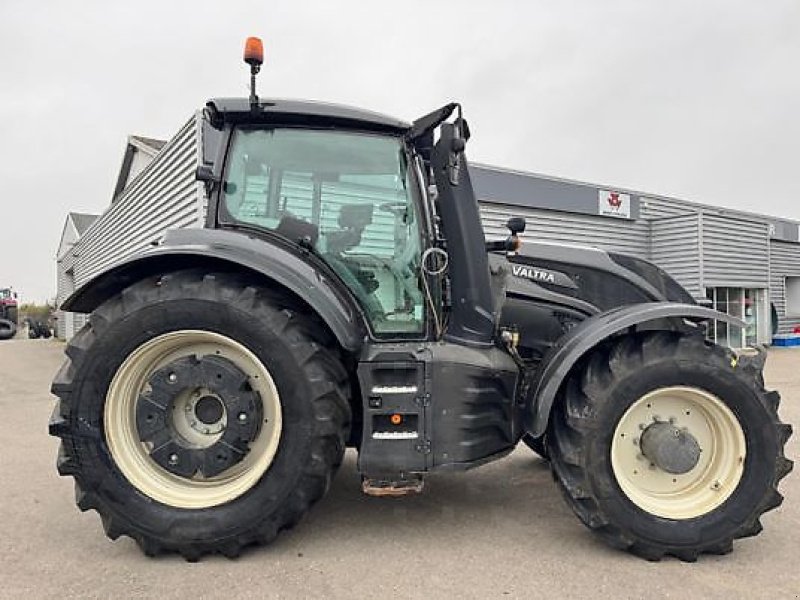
x: 253, y: 51
x: 396, y: 419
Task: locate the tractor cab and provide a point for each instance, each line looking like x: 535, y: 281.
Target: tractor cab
x: 351, y: 189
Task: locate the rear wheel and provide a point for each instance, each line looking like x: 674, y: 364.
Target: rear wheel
x: 199, y: 413
x: 664, y: 443
x: 8, y: 329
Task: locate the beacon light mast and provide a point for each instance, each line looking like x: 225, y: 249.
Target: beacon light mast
x: 253, y: 56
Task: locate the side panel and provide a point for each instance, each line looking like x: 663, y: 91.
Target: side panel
x: 184, y: 248
x: 472, y: 405
x: 455, y: 407
x: 586, y: 335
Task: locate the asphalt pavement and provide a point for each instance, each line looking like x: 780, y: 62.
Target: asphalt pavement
x: 499, y: 531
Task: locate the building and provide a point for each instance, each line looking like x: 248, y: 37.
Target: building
x: 745, y: 264
x: 74, y: 227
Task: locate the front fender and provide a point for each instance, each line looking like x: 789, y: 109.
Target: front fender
x: 583, y: 337
x: 211, y: 248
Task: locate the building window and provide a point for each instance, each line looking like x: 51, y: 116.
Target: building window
x: 748, y: 304
x: 793, y: 296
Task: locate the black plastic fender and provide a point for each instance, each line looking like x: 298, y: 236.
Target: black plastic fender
x: 186, y: 248
x: 586, y: 335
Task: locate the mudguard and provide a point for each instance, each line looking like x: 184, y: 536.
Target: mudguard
x: 586, y: 335
x: 186, y: 248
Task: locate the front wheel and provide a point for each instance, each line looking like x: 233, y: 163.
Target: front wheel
x: 200, y: 413
x: 664, y: 443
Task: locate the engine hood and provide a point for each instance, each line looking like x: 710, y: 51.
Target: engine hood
x: 588, y: 276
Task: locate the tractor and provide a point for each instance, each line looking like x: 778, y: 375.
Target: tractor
x: 342, y: 294
x: 8, y: 313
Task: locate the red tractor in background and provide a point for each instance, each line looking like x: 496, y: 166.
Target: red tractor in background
x: 8, y: 313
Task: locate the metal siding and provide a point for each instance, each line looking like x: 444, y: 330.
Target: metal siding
x: 660, y: 208
x: 735, y: 252
x: 164, y: 196
x: 617, y: 235
x: 61, y: 324
x: 675, y: 247
x: 784, y: 258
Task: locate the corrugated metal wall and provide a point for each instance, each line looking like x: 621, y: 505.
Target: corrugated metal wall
x: 675, y: 247
x: 164, y: 196
x: 660, y: 208
x: 735, y: 252
x: 620, y: 235
x: 784, y: 258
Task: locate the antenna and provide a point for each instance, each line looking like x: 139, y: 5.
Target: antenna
x: 253, y: 56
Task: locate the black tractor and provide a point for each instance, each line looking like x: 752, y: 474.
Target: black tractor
x: 343, y: 294
x: 8, y: 313
x: 38, y: 329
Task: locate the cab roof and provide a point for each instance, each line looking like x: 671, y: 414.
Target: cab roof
x: 301, y: 112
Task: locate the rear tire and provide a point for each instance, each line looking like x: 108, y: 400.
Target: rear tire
x: 134, y: 493
x: 631, y: 503
x: 8, y: 329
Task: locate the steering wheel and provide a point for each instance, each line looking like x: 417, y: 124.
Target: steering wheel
x: 396, y: 208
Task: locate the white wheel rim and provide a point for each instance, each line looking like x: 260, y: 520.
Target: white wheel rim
x: 717, y: 472
x: 131, y: 455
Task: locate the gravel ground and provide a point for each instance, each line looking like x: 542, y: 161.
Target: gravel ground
x: 498, y: 531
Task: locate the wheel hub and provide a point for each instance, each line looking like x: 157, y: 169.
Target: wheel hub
x: 198, y: 415
x: 670, y: 448
x: 209, y: 410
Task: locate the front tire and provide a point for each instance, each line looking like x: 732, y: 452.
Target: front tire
x: 697, y: 500
x: 270, y: 436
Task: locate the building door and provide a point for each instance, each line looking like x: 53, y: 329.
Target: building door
x: 748, y: 304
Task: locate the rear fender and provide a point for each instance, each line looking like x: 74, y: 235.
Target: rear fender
x: 214, y: 248
x: 583, y: 337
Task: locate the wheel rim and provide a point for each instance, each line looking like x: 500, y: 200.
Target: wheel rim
x: 132, y: 455
x: 702, y: 488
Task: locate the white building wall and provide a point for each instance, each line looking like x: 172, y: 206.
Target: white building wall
x: 165, y: 195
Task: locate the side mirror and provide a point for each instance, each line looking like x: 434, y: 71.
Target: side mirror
x: 516, y: 225
x: 205, y: 174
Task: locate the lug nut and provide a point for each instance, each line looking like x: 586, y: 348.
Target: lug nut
x: 172, y: 378
x: 173, y: 459
x: 242, y: 417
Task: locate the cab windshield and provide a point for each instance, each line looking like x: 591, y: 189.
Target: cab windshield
x: 349, y: 197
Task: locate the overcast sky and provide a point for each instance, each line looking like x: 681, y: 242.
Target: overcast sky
x: 697, y: 100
